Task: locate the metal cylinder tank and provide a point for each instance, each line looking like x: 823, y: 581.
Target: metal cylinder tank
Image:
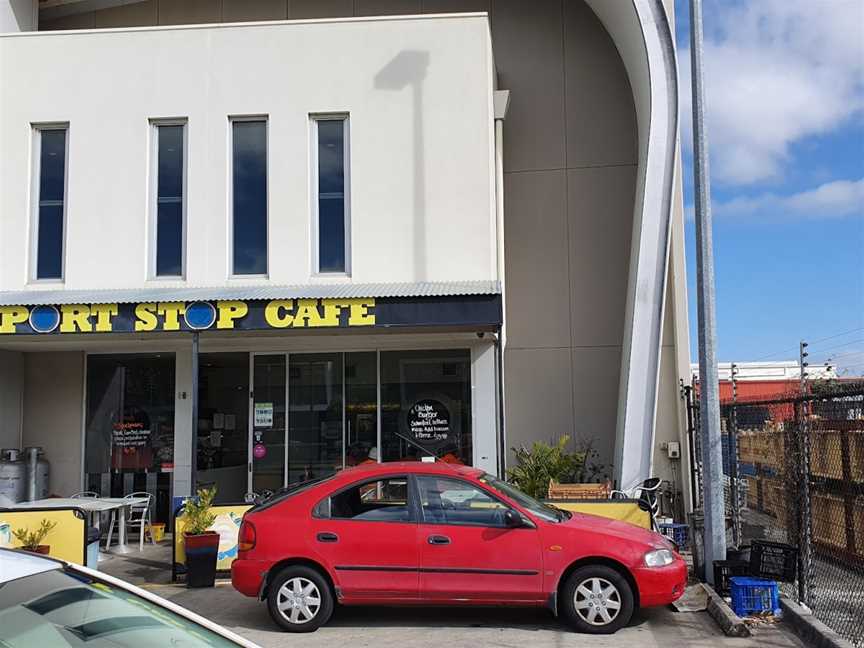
x: 13, y: 485
x: 38, y: 473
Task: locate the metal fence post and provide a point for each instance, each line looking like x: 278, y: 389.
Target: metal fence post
x: 732, y: 434
x: 805, y: 527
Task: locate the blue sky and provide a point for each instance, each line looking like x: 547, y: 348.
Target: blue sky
x: 785, y: 119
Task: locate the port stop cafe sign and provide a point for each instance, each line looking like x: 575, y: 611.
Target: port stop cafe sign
x: 482, y: 312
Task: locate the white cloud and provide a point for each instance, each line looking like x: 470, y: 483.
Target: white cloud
x: 836, y: 199
x: 777, y: 71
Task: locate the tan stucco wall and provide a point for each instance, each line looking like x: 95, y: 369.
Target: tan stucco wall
x: 53, y: 414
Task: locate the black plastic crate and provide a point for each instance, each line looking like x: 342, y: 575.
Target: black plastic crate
x: 724, y: 570
x: 740, y: 553
x: 773, y: 560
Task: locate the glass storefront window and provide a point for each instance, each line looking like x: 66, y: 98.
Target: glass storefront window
x: 268, y: 423
x: 223, y: 424
x: 129, y: 438
x: 315, y: 415
x: 361, y: 408
x: 426, y: 405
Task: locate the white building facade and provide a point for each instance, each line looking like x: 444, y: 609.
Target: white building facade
x: 252, y: 253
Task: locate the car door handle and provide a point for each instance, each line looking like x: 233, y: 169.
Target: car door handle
x: 327, y: 537
x: 439, y: 540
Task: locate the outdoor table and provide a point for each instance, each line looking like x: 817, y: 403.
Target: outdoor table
x: 93, y: 505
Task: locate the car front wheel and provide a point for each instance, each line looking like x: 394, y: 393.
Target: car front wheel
x: 299, y: 599
x: 596, y: 599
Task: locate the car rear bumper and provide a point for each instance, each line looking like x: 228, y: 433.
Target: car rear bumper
x: 247, y: 576
x: 661, y: 585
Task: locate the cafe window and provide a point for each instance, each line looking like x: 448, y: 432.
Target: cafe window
x: 249, y: 196
x: 50, y: 201
x: 169, y: 198
x: 129, y: 426
x: 426, y: 405
x: 330, y: 193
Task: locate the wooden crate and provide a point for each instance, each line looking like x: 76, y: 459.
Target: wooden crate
x: 774, y: 450
x: 579, y: 491
x: 858, y: 526
x: 752, y: 492
x: 745, y: 448
x: 856, y: 455
x: 775, y: 500
x: 829, y: 520
x: 826, y: 454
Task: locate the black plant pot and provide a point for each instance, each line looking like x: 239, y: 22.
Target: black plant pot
x: 201, y: 551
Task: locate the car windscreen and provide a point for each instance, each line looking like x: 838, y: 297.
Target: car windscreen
x: 544, y: 511
x: 68, y: 608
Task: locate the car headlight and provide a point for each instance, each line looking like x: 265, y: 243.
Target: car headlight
x: 659, y: 558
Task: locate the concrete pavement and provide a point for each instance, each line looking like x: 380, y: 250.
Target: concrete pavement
x: 415, y: 628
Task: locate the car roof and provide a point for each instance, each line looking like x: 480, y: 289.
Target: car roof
x: 413, y: 467
x: 20, y: 564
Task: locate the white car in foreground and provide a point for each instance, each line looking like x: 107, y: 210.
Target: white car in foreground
x: 46, y: 603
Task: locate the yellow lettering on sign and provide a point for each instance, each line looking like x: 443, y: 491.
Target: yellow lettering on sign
x: 104, y: 313
x: 145, y: 317
x: 359, y: 314
x: 307, y: 314
x: 332, y: 309
x: 277, y: 314
x: 12, y: 315
x: 170, y: 312
x: 230, y: 311
x: 75, y: 318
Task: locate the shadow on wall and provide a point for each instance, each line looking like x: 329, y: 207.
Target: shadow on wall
x: 408, y: 70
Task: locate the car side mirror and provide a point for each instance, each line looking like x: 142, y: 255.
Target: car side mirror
x: 512, y: 520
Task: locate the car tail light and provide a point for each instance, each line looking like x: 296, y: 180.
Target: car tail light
x: 246, y: 538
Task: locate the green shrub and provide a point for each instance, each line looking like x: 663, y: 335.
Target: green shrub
x: 536, y: 466
x: 196, y: 510
x: 31, y: 539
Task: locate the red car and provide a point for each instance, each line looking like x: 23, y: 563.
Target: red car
x: 440, y: 534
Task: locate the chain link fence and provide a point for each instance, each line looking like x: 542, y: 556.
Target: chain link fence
x: 793, y: 469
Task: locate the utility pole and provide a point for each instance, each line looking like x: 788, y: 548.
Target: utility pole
x: 805, y: 558
x: 734, y: 482
x: 709, y: 388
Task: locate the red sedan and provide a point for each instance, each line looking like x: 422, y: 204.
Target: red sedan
x: 439, y: 534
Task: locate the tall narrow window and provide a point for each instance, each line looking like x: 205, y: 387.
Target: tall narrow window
x: 330, y: 187
x: 170, y: 199
x: 249, y: 196
x: 51, y: 147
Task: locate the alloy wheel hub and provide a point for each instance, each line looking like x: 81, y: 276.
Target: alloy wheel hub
x: 597, y: 601
x: 298, y: 600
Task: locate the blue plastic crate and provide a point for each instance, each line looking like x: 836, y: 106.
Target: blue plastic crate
x: 754, y: 595
x: 677, y: 532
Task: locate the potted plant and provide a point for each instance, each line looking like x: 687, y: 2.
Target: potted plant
x: 200, y: 544
x: 32, y: 540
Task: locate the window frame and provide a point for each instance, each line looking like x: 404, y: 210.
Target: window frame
x: 35, y: 190
x: 232, y: 119
x: 153, y: 199
x: 413, y: 500
x: 314, y: 119
x: 528, y: 522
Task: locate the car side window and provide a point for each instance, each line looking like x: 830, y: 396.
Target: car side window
x: 380, y: 500
x: 452, y: 501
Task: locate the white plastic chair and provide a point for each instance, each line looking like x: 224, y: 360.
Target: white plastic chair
x: 85, y: 495
x: 142, y: 520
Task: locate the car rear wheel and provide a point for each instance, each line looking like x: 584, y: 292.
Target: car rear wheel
x: 299, y: 599
x: 596, y: 599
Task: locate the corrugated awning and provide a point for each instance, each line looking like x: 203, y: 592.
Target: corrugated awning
x: 211, y: 293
